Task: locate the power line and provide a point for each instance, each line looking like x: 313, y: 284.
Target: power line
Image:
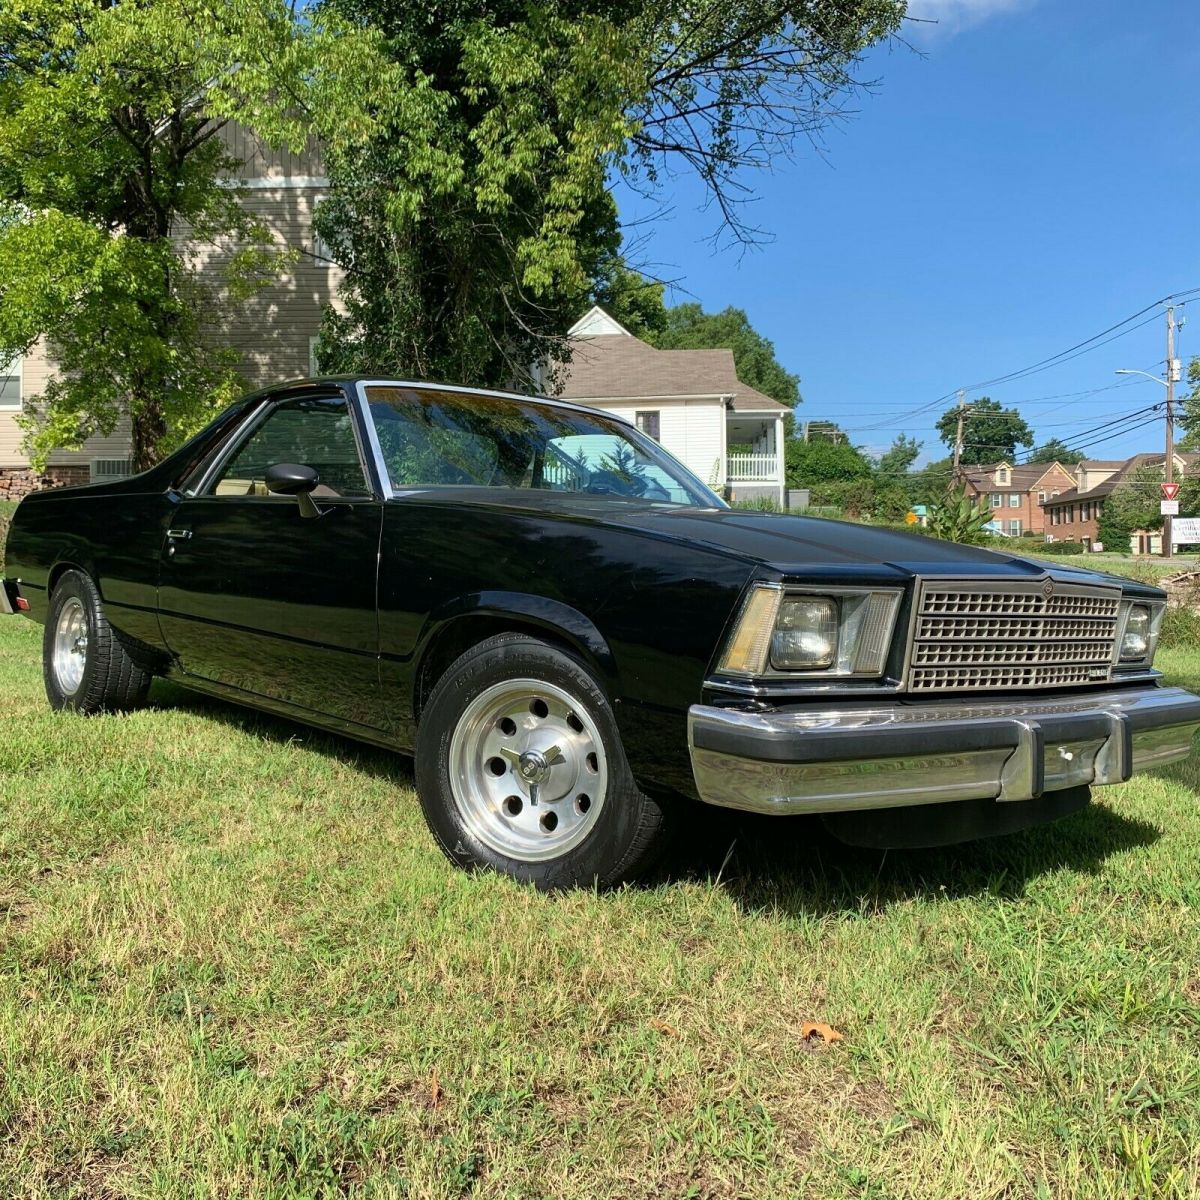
x: 1120, y: 329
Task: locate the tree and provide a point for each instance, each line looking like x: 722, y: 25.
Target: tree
x: 1131, y: 505
x: 899, y: 457
x: 109, y: 154
x: 991, y: 433
x: 473, y: 219
x: 834, y: 472
x: 633, y: 299
x: 1188, y: 413
x: 894, y: 481
x: 689, y: 327
x: 1057, y: 451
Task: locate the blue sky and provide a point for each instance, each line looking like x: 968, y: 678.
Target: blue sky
x: 1028, y: 179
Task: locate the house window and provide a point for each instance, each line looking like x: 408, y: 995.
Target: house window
x: 1014, y: 528
x: 997, y: 500
x: 1085, y: 511
x: 10, y: 384
x: 320, y: 248
x: 1041, y: 497
x: 1002, y: 477
x: 647, y: 422
x: 1014, y: 499
x: 1071, y: 513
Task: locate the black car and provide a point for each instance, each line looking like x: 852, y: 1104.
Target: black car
x: 576, y: 637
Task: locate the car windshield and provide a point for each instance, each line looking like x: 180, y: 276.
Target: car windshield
x: 431, y: 438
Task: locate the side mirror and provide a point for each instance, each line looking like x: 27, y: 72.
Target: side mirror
x: 293, y: 479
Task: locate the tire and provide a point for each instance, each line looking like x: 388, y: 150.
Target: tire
x: 480, y: 757
x: 85, y: 666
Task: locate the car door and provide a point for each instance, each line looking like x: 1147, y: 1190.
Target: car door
x: 256, y: 596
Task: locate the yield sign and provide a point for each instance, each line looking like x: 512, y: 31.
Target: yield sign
x: 1169, y: 490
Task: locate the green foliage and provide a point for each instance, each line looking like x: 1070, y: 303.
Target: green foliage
x: 1055, y: 450
x: 469, y: 203
x: 1066, y: 549
x: 958, y: 519
x: 689, y: 327
x: 932, y: 482
x: 758, y: 504
x: 1188, y: 412
x: 834, y: 473
x: 898, y: 459
x: 1132, y: 505
x: 108, y: 155
x: 633, y: 299
x: 991, y: 433
x: 1180, y: 628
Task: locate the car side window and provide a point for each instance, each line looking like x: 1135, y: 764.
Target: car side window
x: 316, y: 432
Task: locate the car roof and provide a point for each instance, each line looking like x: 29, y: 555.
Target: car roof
x: 366, y: 381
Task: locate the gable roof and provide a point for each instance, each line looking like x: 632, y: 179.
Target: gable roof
x: 1123, y: 470
x: 619, y: 366
x: 1022, y: 479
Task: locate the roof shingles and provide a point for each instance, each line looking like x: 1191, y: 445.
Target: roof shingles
x: 621, y: 367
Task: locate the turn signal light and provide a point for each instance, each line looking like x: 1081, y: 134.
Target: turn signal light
x: 22, y: 604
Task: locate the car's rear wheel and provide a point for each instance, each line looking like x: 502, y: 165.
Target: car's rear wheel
x: 520, y: 769
x: 85, y: 666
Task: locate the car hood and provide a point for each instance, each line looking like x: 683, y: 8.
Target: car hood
x: 788, y: 544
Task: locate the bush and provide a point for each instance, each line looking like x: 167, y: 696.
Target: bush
x: 1060, y: 548
x: 758, y: 504
x: 1180, y: 627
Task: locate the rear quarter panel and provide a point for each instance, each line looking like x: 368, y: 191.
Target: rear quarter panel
x: 646, y: 613
x: 115, y: 537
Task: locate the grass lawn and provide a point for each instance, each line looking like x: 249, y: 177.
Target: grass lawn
x: 234, y: 965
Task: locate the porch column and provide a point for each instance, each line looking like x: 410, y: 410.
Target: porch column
x: 777, y: 434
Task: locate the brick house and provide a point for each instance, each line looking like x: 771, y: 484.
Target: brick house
x: 275, y: 330
x: 1074, y: 515
x: 1016, y: 493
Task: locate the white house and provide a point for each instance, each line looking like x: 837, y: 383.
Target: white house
x: 689, y: 400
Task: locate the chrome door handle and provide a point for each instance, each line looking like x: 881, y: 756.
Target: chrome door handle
x: 179, y: 535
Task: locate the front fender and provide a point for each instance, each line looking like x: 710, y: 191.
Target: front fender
x: 522, y: 610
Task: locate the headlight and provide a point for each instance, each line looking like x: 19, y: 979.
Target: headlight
x: 835, y: 633
x: 1139, y: 634
x: 806, y: 634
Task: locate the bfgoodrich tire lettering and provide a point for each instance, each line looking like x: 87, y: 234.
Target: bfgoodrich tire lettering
x: 85, y: 666
x: 520, y: 769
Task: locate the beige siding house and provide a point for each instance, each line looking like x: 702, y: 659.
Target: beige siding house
x: 274, y: 331
x: 691, y: 401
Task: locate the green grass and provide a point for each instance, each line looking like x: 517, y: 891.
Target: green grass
x: 233, y: 965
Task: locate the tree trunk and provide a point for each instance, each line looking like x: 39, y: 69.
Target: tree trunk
x: 149, y: 429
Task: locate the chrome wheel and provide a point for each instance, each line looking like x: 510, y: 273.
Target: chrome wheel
x: 70, y: 646
x: 528, y: 771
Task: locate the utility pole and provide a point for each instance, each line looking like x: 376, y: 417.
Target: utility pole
x: 1169, y: 464
x: 958, y: 436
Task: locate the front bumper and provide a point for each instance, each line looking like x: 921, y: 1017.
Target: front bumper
x: 838, y: 760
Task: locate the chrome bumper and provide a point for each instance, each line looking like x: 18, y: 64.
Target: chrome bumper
x: 820, y: 761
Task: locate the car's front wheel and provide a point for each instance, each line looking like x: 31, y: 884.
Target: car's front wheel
x: 86, y: 667
x: 520, y: 769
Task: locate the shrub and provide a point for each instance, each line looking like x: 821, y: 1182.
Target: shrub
x: 1180, y: 627
x: 759, y: 504
x: 1061, y: 548
x: 959, y: 519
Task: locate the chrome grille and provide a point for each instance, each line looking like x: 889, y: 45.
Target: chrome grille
x: 991, y: 636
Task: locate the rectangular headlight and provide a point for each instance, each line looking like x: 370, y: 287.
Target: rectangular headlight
x: 836, y: 632
x: 1140, y: 626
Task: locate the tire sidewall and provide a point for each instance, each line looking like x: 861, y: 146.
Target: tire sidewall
x: 596, y: 860
x: 73, y: 584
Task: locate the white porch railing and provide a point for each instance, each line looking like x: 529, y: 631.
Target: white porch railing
x: 752, y: 468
